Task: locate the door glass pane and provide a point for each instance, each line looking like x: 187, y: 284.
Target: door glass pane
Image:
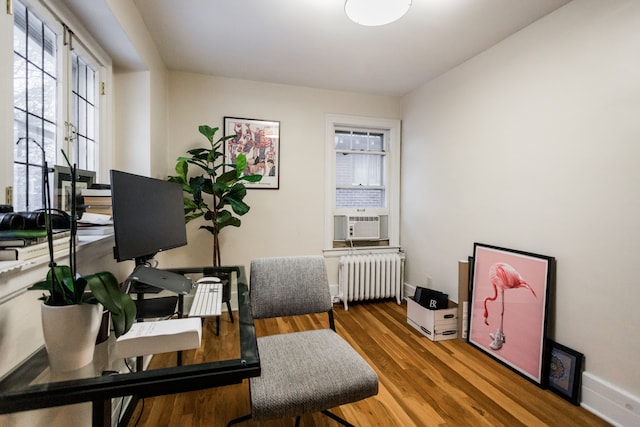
x: 34, y: 87
x: 49, y: 98
x: 19, y: 186
x: 49, y: 51
x: 19, y: 82
x: 376, y: 142
x: 20, y: 29
x: 83, y: 113
x: 35, y: 106
x: 34, y: 41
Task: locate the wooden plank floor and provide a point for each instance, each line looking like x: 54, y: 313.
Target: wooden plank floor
x: 422, y: 383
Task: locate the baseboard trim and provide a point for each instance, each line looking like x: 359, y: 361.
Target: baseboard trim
x: 609, y: 402
x: 334, y: 289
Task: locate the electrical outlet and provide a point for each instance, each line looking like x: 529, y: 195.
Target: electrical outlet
x: 8, y: 195
x: 429, y: 281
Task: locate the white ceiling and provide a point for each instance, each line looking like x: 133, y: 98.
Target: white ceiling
x: 312, y: 43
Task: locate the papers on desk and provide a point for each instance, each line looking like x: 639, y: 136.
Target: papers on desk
x: 160, y: 337
x: 93, y: 224
x: 95, y: 219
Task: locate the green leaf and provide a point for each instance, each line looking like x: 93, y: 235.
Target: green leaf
x: 176, y: 179
x: 225, y: 218
x: 182, y: 169
x: 79, y: 286
x: 220, y: 188
x: 123, y: 319
x: 238, y: 206
x: 62, y: 286
x: 252, y: 178
x: 227, y: 177
x: 197, y: 153
x: 226, y: 138
x: 207, y: 131
x: 207, y: 186
x: 104, y: 286
x: 197, y: 184
x: 241, y: 164
x: 190, y: 218
x: 209, y: 228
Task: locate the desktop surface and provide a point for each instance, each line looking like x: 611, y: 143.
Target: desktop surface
x: 33, y: 386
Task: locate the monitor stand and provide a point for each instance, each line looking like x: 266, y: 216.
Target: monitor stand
x: 138, y: 287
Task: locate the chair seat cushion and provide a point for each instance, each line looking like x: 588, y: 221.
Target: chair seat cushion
x: 308, y: 371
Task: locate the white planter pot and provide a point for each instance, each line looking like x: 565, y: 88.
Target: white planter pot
x: 70, y: 334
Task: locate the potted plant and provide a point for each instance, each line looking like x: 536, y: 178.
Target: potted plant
x: 71, y: 316
x: 222, y: 182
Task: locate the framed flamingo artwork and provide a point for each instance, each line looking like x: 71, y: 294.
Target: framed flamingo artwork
x: 509, y: 305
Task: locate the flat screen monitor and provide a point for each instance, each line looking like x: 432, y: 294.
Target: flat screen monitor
x: 148, y: 216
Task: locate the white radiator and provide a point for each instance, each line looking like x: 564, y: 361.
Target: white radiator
x: 369, y: 277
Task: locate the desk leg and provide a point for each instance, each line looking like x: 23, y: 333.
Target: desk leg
x: 101, y: 413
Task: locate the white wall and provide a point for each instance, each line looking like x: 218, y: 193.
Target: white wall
x: 288, y: 221
x: 132, y: 122
x: 140, y: 109
x: 534, y: 145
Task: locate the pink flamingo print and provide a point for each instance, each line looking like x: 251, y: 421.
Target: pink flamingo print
x: 502, y: 277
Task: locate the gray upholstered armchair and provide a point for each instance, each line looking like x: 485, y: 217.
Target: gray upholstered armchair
x: 308, y: 371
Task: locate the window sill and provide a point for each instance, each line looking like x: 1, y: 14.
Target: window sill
x: 17, y: 276
x: 337, y: 252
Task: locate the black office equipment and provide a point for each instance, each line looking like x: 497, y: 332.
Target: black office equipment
x: 148, y: 216
x: 430, y: 298
x: 161, y: 278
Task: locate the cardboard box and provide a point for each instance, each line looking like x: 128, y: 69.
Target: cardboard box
x: 437, y: 325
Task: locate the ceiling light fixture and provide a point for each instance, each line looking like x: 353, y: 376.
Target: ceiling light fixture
x: 373, y: 13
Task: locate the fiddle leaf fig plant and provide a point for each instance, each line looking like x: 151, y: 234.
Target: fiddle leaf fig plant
x: 66, y: 287
x: 217, y: 194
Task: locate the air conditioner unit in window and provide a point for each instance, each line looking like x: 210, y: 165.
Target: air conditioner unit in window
x: 363, y: 227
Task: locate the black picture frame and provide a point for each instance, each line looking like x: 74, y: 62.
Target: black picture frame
x: 62, y: 186
x: 259, y: 141
x: 565, y: 371
x: 509, y: 297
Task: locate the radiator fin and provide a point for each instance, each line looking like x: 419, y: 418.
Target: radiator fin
x: 371, y: 277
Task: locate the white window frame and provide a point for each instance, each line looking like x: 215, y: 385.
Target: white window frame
x: 392, y: 128
x: 70, y: 142
x: 54, y: 15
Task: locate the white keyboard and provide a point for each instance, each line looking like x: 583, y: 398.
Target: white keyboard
x: 207, y: 301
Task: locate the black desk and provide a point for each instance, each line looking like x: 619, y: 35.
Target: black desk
x: 18, y: 394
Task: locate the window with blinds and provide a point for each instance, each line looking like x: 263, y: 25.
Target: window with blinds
x: 360, y: 169
x: 363, y: 166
